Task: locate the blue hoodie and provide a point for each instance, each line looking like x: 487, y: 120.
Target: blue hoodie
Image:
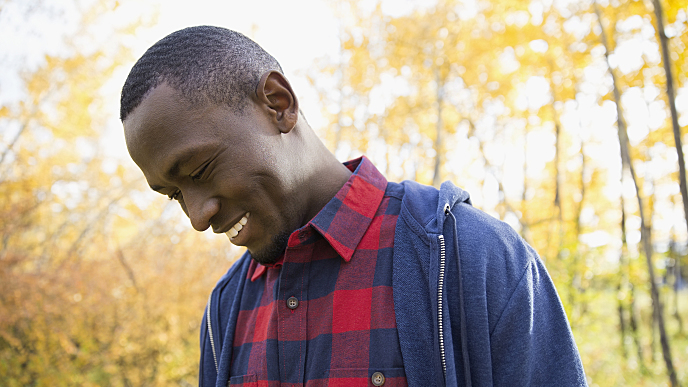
x: 474, y: 304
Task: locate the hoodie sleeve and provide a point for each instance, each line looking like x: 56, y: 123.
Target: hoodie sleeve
x: 532, y: 343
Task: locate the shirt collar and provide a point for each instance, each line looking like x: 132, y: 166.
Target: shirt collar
x: 259, y: 269
x: 346, y: 218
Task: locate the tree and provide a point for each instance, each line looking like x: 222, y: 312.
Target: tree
x: 671, y: 96
x: 512, y: 102
x: 99, y: 284
x: 644, y: 229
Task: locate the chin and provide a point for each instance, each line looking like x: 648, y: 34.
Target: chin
x: 271, y: 253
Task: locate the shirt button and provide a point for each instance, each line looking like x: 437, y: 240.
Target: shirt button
x: 292, y: 302
x: 378, y: 379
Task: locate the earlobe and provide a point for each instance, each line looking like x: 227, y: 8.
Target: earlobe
x: 275, y: 93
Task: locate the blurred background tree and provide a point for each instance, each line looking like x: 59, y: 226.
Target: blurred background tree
x: 98, y: 285
x: 531, y: 105
x: 555, y: 115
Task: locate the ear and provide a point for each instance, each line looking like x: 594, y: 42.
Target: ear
x: 275, y: 92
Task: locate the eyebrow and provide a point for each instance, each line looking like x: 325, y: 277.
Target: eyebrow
x: 174, y: 169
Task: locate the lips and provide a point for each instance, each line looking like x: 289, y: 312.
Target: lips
x: 235, y: 231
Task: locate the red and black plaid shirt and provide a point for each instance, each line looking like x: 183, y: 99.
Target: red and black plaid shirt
x: 336, y: 275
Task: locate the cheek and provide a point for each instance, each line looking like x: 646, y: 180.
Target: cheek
x: 255, y: 192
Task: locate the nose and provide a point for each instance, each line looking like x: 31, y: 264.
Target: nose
x: 199, y: 208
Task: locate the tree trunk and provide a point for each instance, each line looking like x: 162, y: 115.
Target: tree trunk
x: 500, y: 187
x: 676, y: 273
x: 623, y: 277
x: 575, y: 281
x: 557, y: 169
x: 436, y: 178
x: 625, y: 267
x: 653, y: 342
x: 622, y: 322
x: 644, y: 231
x: 671, y: 96
x: 524, y: 211
x: 633, y: 320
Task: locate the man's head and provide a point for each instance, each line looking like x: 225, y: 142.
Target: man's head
x: 204, y: 63
x: 212, y: 123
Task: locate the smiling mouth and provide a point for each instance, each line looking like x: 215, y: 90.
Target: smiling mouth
x: 236, y: 229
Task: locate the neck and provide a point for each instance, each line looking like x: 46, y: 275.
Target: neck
x: 322, y: 175
x: 329, y: 178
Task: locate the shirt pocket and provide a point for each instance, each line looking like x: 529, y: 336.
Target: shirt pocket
x: 393, y: 377
x: 243, y: 381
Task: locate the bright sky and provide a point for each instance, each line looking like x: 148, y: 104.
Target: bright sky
x: 294, y: 32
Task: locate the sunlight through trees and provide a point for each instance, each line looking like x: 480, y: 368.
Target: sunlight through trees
x: 555, y: 115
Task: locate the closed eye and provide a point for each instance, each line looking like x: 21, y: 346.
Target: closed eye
x: 199, y: 174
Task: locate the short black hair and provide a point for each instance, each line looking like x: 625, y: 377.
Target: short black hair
x: 203, y: 63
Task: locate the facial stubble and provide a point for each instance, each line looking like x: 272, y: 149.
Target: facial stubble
x: 271, y: 253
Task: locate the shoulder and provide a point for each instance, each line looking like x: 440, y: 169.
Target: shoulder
x: 228, y: 283
x: 494, y: 262
x: 418, y: 201
x: 493, y: 257
x: 418, y: 209
x: 481, y: 234
x: 424, y: 207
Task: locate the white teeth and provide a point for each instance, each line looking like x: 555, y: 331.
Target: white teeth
x: 234, y: 231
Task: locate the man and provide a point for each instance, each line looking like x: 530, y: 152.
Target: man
x: 348, y: 279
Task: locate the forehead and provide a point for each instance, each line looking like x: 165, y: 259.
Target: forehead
x: 156, y: 109
x: 165, y: 127
x: 165, y: 113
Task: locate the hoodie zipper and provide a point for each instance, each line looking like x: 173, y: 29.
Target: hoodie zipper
x: 439, y: 304
x: 210, y: 333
